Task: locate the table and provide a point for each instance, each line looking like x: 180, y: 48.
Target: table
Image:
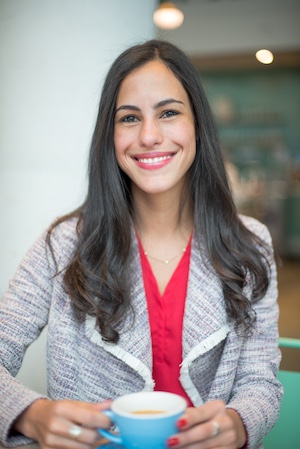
x: 104, y: 444
x: 27, y: 446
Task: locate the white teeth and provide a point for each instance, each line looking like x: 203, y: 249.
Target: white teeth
x: 154, y: 160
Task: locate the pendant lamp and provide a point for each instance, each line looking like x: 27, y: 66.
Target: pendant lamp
x: 168, y: 16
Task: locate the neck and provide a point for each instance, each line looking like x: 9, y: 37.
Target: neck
x: 159, y: 216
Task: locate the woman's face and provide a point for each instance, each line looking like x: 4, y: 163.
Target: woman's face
x: 154, y: 133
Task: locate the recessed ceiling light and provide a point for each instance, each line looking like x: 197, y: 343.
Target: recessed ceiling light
x: 264, y: 56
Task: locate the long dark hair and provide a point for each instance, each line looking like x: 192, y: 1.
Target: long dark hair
x: 97, y: 277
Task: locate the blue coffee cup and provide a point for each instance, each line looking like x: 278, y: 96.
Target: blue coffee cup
x: 145, y: 420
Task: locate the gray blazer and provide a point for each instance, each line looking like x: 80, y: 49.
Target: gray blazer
x: 218, y: 362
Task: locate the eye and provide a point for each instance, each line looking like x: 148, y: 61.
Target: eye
x: 169, y: 113
x: 129, y: 119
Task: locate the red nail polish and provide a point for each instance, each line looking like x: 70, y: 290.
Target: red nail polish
x: 173, y: 441
x: 181, y: 423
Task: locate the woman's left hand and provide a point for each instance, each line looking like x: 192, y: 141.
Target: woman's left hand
x: 210, y: 426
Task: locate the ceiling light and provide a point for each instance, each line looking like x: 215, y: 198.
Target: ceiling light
x: 168, y: 16
x: 264, y: 56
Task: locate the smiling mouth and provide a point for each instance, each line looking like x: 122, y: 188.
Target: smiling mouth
x: 153, y: 160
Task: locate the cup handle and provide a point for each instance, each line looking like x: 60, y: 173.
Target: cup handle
x: 115, y: 438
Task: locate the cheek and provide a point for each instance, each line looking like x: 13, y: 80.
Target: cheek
x: 191, y: 146
x: 119, y: 144
x: 190, y: 138
x: 122, y: 140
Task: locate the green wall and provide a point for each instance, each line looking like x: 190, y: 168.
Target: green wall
x: 258, y: 116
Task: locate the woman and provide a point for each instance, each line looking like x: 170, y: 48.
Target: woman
x: 154, y: 283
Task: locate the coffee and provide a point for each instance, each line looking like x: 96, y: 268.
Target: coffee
x: 148, y: 412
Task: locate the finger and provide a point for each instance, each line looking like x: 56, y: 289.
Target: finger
x: 200, y: 414
x: 210, y: 434
x: 82, y: 434
x: 196, y: 434
x: 74, y: 422
x: 59, y: 442
x: 83, y: 414
x: 67, y: 430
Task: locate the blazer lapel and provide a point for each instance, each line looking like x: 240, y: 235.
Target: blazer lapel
x: 205, y: 319
x: 134, y: 346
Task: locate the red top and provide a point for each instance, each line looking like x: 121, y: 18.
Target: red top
x: 166, y: 319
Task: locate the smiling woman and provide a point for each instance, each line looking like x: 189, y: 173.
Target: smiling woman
x: 154, y: 283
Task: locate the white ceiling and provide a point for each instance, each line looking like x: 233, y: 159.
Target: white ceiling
x: 215, y: 27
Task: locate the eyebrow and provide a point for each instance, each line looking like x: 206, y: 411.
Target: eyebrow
x: 158, y: 105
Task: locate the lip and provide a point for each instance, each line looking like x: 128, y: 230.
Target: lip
x: 154, y: 160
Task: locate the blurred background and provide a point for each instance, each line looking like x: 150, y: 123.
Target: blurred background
x: 53, y: 57
x: 257, y: 109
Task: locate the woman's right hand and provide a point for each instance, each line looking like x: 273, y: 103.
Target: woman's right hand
x: 51, y: 423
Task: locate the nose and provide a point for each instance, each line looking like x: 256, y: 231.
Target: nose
x: 150, y: 133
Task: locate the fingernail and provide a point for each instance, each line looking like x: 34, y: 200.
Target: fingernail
x: 173, y: 441
x: 181, y: 423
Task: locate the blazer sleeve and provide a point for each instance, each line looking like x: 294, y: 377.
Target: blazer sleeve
x: 257, y: 393
x: 24, y: 310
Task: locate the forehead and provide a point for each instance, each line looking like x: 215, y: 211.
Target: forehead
x: 152, y: 79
